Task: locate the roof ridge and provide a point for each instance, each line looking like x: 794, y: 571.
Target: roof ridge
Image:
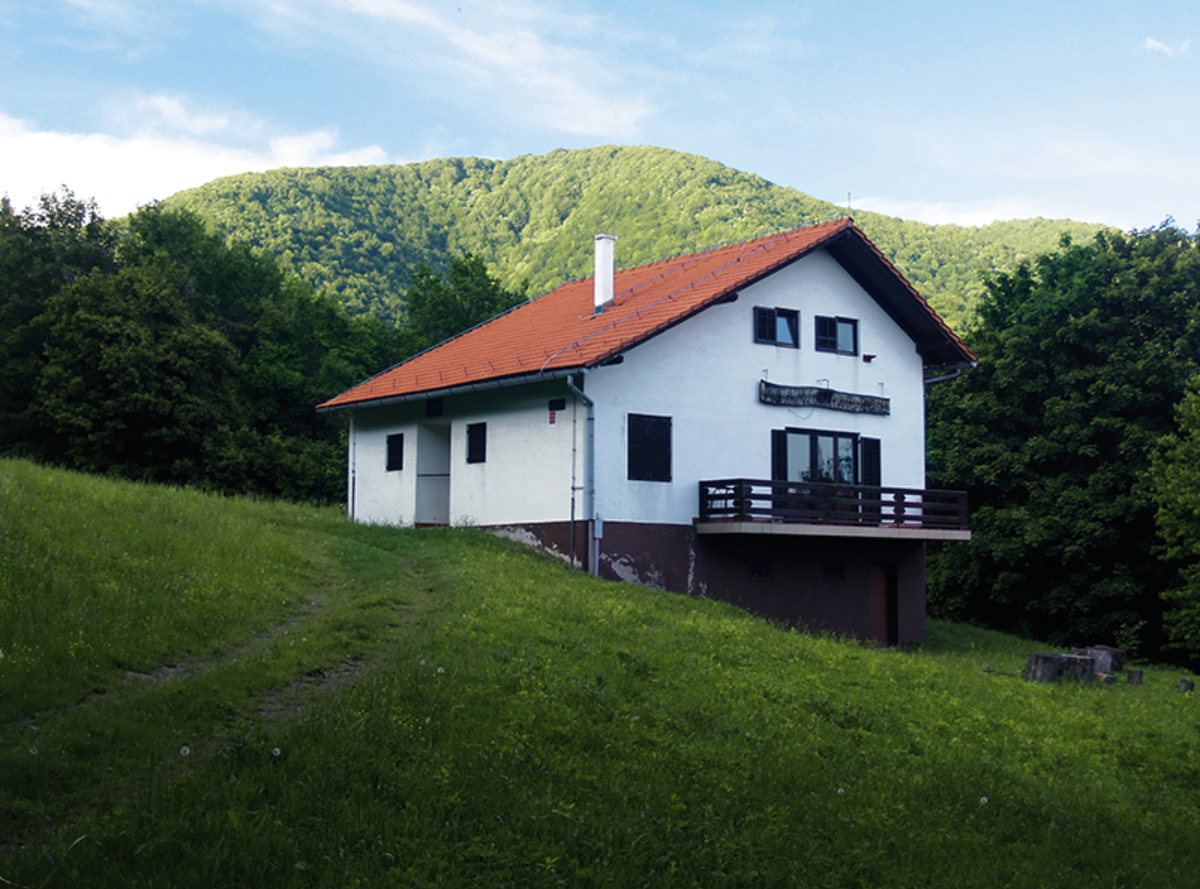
x: 760, y: 243
x: 812, y: 223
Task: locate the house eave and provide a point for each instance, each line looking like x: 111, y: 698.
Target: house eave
x: 460, y: 389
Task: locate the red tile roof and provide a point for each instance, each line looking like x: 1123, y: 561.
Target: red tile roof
x: 560, y: 331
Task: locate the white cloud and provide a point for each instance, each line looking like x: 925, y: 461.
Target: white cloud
x: 171, y: 111
x: 122, y: 18
x: 967, y: 213
x: 1156, y: 46
x: 125, y: 172
x: 518, y: 58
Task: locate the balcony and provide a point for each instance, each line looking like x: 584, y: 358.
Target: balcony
x: 750, y: 506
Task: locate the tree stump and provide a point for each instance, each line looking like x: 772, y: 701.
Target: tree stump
x: 1079, y: 667
x: 1107, y: 658
x: 1044, y: 667
x: 1135, y: 677
x: 1186, y: 685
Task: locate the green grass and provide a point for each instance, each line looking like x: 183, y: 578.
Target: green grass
x: 366, y: 706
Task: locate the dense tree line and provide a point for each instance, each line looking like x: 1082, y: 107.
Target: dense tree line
x: 361, y: 232
x: 155, y: 350
x: 1077, y: 428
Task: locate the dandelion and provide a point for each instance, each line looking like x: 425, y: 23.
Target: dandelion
x: 841, y: 790
x: 422, y: 662
x: 983, y: 801
x: 185, y: 750
x: 276, y: 752
x: 441, y: 670
x: 33, y: 751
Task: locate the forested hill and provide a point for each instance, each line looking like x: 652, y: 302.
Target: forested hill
x: 360, y: 232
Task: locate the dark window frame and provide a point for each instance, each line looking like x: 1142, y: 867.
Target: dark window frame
x: 829, y: 334
x: 865, y: 454
x: 395, y: 452
x: 648, y: 448
x: 477, y: 442
x: 766, y: 326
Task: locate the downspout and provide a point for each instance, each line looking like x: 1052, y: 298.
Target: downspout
x: 589, y: 477
x: 353, y: 468
x: 574, y: 469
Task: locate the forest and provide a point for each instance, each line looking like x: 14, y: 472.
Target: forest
x: 359, y: 233
x: 188, y: 343
x: 152, y: 349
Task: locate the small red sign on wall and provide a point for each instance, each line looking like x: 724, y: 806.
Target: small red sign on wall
x: 552, y: 416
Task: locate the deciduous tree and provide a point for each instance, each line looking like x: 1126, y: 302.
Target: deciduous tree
x: 1083, y: 356
x: 439, y: 306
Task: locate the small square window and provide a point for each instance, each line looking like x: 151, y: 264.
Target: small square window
x: 780, y: 327
x: 477, y: 442
x: 649, y: 457
x: 395, y: 452
x: 838, y: 335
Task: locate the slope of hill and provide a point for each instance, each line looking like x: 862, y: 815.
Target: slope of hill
x: 360, y: 231
x: 209, y: 692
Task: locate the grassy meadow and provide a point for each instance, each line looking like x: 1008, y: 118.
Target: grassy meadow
x: 202, y: 691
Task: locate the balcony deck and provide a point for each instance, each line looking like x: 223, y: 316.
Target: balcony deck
x: 752, y: 506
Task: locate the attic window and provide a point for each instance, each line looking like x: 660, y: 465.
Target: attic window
x: 838, y: 335
x: 649, y: 448
x: 778, y: 327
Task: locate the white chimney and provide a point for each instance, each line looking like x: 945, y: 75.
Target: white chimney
x: 603, y: 281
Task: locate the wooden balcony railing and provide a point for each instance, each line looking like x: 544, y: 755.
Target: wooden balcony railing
x: 752, y: 500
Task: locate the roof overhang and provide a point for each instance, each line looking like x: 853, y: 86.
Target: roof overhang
x: 936, y: 343
x: 461, y: 389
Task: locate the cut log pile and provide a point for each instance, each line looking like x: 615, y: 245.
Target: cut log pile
x: 1097, y: 663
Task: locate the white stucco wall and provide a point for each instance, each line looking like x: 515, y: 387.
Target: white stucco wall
x: 526, y: 476
x: 705, y: 374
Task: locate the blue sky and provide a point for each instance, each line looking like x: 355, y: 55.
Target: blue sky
x: 936, y: 111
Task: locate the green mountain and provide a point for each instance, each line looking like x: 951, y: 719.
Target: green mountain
x: 361, y: 231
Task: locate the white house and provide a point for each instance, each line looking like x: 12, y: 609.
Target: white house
x: 746, y: 423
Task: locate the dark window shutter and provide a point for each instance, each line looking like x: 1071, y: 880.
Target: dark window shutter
x: 871, y: 466
x: 826, y: 334
x: 779, y: 465
x: 395, y: 452
x: 477, y: 442
x: 649, y: 456
x: 764, y: 325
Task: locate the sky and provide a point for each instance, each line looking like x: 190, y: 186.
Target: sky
x: 942, y: 112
